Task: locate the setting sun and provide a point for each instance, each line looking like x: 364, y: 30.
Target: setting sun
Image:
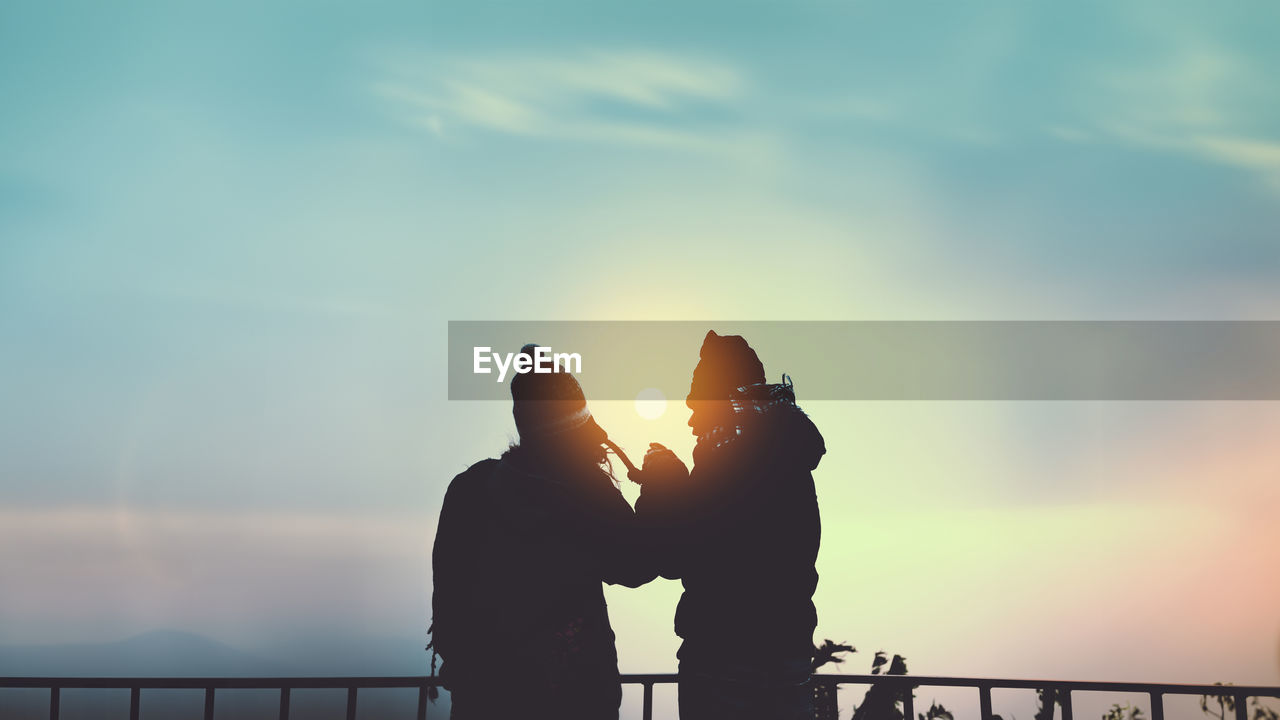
x: 651, y: 404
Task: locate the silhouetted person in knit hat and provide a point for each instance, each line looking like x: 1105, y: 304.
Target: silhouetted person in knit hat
x: 741, y: 531
x: 523, y: 545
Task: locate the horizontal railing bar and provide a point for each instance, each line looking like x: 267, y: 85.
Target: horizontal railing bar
x: 219, y: 683
x: 646, y: 678
x: 1087, y: 686
x: 276, y: 683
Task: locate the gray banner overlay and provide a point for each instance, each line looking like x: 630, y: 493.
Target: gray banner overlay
x: 867, y: 360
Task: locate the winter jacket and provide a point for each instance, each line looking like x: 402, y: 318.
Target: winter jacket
x: 518, y: 562
x: 742, y: 533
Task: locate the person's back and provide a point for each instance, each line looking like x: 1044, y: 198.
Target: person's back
x: 522, y: 546
x: 742, y: 533
x: 519, y: 583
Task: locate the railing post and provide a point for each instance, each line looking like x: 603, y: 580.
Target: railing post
x: 908, y: 703
x: 424, y: 694
x: 648, y: 701
x: 984, y: 701
x: 284, y: 703
x: 135, y: 702
x: 351, y: 703
x: 1242, y: 710
x: 208, y: 703
x: 55, y: 702
x: 1065, y: 694
x: 1157, y: 706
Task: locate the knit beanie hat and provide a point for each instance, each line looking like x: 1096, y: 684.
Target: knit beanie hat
x: 546, y: 404
x: 725, y: 364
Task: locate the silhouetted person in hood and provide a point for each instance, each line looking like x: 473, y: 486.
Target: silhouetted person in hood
x: 522, y: 547
x: 741, y: 530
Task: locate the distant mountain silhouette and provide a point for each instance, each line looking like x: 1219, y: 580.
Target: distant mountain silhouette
x: 351, y: 654
x: 168, y: 653
x: 171, y: 653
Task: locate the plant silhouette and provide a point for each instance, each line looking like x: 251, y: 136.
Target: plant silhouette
x: 881, y: 702
x: 1217, y: 706
x: 1123, y: 712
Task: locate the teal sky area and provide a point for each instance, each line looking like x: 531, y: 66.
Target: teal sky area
x: 232, y: 234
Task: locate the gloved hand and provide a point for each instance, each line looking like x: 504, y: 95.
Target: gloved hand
x: 661, y: 466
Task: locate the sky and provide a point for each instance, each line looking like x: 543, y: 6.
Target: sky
x: 232, y: 234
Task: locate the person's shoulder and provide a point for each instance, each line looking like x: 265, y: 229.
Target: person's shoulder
x: 484, y: 466
x: 471, y: 477
x: 801, y: 444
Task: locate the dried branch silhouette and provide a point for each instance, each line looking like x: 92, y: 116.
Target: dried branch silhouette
x: 880, y: 702
x: 1217, y: 706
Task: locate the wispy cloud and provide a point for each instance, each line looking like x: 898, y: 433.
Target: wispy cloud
x: 1198, y: 100
x: 634, y: 98
x: 1262, y: 156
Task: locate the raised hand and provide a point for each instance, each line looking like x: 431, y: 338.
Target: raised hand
x: 661, y: 466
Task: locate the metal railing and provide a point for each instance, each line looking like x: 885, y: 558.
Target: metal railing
x: 904, y: 683
x: 1064, y: 688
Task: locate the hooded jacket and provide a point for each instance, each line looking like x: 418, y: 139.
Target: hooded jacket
x: 742, y: 533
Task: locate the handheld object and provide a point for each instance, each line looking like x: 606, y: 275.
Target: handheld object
x: 633, y: 472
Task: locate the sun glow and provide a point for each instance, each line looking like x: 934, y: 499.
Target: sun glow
x: 651, y: 403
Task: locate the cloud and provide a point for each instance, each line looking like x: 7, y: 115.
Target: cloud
x: 1245, y: 153
x: 493, y: 110
x: 1258, y: 156
x: 631, y: 98
x: 649, y: 79
x: 1262, y: 156
x: 1197, y: 99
